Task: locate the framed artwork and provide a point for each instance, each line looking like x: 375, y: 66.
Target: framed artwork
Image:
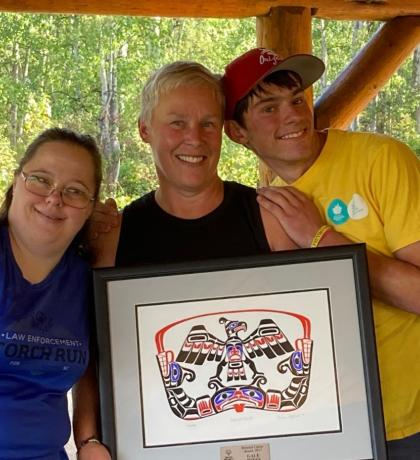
x: 263, y: 357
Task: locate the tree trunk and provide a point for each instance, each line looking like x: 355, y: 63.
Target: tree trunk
x: 108, y: 121
x: 380, y: 114
x: 23, y: 79
x: 13, y: 119
x: 324, y: 55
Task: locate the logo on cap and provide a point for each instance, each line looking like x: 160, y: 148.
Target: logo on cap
x: 269, y: 56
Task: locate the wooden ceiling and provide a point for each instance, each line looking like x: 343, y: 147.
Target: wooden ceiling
x: 329, y: 9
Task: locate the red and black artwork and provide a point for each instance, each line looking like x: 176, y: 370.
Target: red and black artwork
x: 237, y: 359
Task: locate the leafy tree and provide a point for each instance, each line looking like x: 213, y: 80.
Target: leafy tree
x: 86, y: 73
x: 8, y: 164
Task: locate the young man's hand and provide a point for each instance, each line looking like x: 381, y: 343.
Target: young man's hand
x: 297, y: 214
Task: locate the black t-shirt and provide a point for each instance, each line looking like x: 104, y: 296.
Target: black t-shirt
x: 151, y: 235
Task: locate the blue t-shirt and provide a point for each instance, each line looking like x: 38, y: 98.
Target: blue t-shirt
x: 44, y: 350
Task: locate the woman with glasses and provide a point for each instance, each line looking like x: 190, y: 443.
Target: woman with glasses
x: 44, y: 292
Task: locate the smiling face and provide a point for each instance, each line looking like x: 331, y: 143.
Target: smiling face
x: 45, y: 224
x: 278, y: 126
x: 185, y: 135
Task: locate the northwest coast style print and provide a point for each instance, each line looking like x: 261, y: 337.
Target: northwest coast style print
x: 234, y: 357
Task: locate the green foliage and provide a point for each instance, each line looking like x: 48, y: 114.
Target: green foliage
x: 51, y: 76
x: 238, y: 163
x: 138, y: 172
x: 8, y: 165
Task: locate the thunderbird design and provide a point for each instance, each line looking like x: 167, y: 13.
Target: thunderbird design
x: 239, y: 380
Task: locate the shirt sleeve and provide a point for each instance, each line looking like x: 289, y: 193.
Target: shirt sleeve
x: 395, y: 180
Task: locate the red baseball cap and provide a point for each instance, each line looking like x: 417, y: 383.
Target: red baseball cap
x: 246, y: 71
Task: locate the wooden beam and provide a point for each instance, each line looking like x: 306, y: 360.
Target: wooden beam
x: 331, y: 9
x: 286, y: 31
x: 368, y: 10
x: 369, y: 71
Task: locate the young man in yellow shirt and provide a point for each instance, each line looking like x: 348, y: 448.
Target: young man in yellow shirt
x: 367, y: 189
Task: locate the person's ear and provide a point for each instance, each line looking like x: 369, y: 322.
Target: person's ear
x: 236, y: 132
x: 144, y: 131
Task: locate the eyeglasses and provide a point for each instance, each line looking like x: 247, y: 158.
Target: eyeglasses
x: 42, y: 186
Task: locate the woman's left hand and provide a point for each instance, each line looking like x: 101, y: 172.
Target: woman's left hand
x: 93, y: 451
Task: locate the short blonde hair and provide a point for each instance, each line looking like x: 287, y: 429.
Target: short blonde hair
x: 172, y: 76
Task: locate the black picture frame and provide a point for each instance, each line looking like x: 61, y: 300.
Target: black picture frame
x: 142, y: 307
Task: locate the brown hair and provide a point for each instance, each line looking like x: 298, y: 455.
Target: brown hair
x: 84, y: 141
x: 282, y: 78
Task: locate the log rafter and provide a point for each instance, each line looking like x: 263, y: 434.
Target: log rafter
x: 369, y: 71
x: 328, y: 9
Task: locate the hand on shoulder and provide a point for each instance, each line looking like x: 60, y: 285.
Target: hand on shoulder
x: 104, y: 232
x: 105, y: 216
x: 297, y: 214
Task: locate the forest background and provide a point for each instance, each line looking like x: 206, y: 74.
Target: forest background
x: 86, y: 73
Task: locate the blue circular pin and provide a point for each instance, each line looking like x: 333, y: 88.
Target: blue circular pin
x: 337, y: 212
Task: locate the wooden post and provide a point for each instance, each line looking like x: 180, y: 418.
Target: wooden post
x: 286, y: 31
x: 369, y: 71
